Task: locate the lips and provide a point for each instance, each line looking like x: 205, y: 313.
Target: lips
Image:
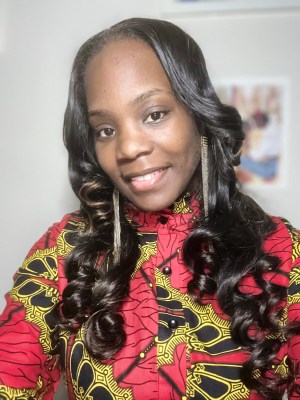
x: 146, y: 181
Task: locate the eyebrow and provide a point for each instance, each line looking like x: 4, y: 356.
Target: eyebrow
x: 146, y: 95
x: 136, y: 101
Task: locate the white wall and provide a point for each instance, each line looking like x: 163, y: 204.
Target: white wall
x: 38, y: 40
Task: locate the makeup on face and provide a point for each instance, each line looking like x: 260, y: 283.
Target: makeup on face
x: 145, y: 140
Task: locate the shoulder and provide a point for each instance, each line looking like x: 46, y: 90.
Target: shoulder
x: 294, y: 235
x: 285, y: 236
x: 70, y: 223
x: 60, y: 233
x: 283, y: 242
x: 44, y: 263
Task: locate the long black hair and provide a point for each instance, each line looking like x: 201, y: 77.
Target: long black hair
x: 226, y: 243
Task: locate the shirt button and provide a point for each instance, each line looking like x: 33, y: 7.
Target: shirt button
x: 173, y: 324
x: 163, y: 220
x: 167, y: 270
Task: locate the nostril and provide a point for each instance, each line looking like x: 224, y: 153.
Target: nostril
x: 133, y: 146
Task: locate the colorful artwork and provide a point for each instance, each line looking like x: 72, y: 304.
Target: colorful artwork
x: 204, y: 6
x: 262, y: 108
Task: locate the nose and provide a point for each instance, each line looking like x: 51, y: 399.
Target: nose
x: 133, y: 142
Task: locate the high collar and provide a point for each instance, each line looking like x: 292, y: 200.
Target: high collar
x: 180, y: 214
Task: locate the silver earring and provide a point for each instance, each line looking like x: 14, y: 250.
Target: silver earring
x: 117, y: 226
x: 204, y: 171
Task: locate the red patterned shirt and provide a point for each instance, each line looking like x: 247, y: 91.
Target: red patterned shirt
x: 175, y: 347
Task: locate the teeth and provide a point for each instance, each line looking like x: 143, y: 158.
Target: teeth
x: 147, y: 177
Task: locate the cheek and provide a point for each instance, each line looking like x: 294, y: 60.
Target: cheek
x: 194, y: 160
x: 192, y: 148
x: 104, y: 160
x: 193, y: 156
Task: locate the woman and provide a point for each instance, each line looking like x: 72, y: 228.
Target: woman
x: 168, y: 283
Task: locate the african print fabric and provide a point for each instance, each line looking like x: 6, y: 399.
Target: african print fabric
x: 175, y: 348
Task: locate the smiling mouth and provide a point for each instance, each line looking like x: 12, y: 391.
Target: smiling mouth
x: 147, y: 181
x: 146, y: 177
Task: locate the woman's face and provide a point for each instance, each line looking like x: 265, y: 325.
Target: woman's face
x: 145, y: 140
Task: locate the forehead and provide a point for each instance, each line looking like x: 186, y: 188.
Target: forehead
x: 124, y: 65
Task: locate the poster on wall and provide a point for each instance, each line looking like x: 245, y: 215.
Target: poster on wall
x: 262, y: 105
x: 204, y: 6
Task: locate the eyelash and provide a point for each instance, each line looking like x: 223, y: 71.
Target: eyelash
x: 111, y: 131
x: 97, y: 132
x: 162, y: 114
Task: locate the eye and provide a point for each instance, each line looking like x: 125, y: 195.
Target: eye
x: 156, y: 116
x: 104, y: 132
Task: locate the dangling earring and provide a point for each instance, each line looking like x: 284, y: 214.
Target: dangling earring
x: 204, y: 171
x: 117, y: 226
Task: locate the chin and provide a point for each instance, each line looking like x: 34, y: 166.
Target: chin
x: 153, y: 206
